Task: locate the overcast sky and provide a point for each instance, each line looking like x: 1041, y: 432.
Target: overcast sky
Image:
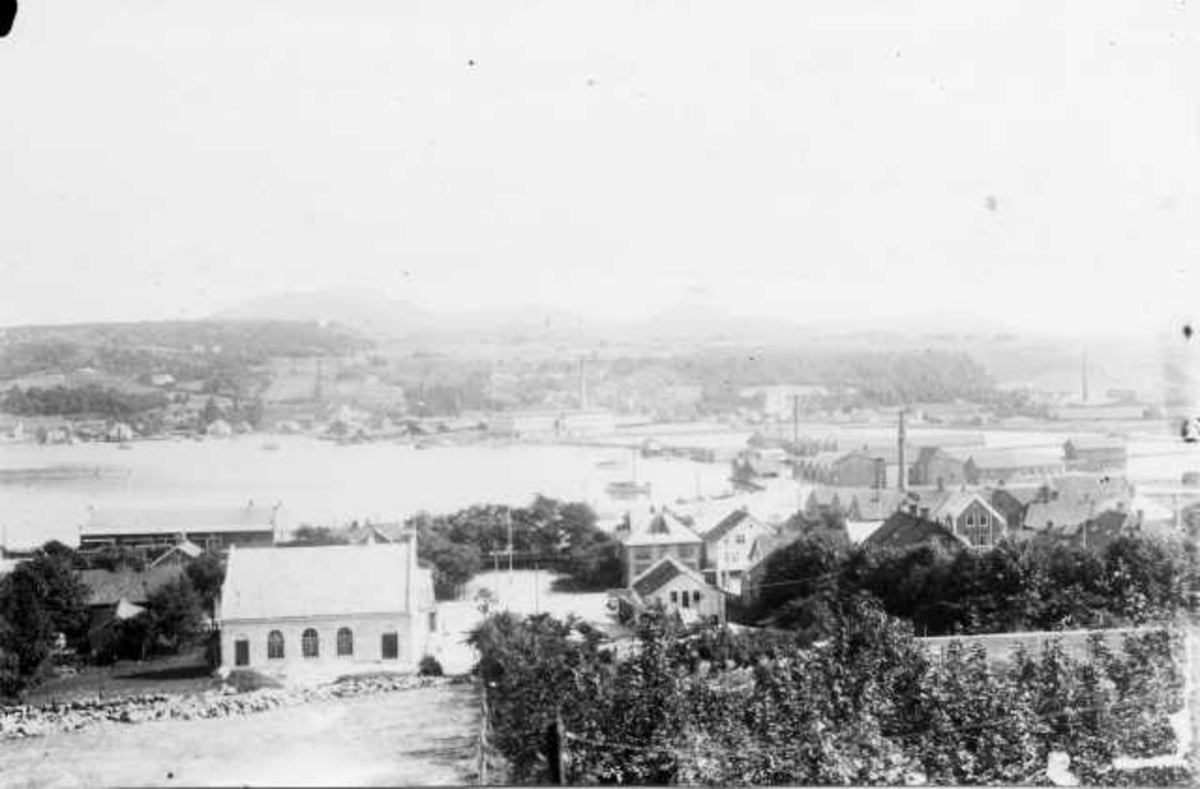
x: 1032, y: 162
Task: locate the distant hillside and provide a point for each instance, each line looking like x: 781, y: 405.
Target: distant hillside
x: 187, y: 350
x: 369, y: 313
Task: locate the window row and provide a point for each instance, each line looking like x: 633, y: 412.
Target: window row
x: 310, y: 645
x: 684, y: 599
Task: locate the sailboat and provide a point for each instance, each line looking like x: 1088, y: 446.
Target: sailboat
x: 631, y: 488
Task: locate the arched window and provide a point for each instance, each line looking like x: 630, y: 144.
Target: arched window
x: 310, y: 643
x: 275, y: 645
x: 345, y: 641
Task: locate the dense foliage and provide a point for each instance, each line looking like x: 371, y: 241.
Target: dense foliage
x: 704, y: 705
x: 41, y: 598
x: 86, y: 400
x: 548, y: 533
x: 1014, y: 586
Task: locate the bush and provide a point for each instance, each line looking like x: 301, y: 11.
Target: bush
x: 430, y: 667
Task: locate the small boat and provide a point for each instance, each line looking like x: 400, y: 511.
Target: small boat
x: 270, y: 446
x: 627, y: 489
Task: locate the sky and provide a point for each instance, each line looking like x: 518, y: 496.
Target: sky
x: 1031, y: 162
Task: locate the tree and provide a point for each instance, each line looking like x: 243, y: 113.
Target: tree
x: 206, y: 573
x: 176, y: 615
x: 39, y: 599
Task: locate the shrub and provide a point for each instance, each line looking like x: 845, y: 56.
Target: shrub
x: 430, y: 667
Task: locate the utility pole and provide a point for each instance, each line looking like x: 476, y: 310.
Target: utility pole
x: 508, y: 518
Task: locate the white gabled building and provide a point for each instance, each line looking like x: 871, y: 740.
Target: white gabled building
x: 727, y: 548
x: 679, y: 589
x: 351, y: 604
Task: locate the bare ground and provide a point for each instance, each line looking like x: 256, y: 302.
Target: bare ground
x: 423, y: 736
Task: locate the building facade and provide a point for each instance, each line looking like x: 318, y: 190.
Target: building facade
x: 727, y: 549
x: 663, y: 535
x: 332, y: 604
x: 213, y: 529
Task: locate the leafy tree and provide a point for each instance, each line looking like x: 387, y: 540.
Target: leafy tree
x: 206, y: 574
x: 39, y: 599
x: 176, y: 615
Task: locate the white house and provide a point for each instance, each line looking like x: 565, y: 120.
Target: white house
x: 362, y: 605
x: 679, y: 589
x: 727, y: 548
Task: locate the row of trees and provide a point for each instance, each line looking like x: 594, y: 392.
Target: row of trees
x: 1013, y: 586
x: 548, y: 533
x: 86, y: 400
x: 868, y: 706
x: 44, y: 599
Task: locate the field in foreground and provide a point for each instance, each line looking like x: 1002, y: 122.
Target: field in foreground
x: 423, y: 736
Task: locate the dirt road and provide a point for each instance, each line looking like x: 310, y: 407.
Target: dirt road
x: 423, y: 736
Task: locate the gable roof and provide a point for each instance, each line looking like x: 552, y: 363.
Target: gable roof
x: 361, y: 534
x: 1059, y: 512
x: 663, y: 528
x: 176, y: 521
x: 956, y: 503
x: 1015, y: 458
x: 661, y: 573
x: 268, y: 583
x: 904, y: 529
x: 727, y: 524
x: 766, y: 544
x: 108, y: 587
x: 872, y: 504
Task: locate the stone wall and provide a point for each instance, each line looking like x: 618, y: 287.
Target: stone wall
x: 20, y: 721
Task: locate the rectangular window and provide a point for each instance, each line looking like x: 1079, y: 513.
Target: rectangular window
x: 643, y: 554
x: 241, y: 652
x: 685, y: 551
x: 674, y: 598
x: 686, y: 599
x: 696, y: 596
x: 433, y: 621
x: 390, y: 646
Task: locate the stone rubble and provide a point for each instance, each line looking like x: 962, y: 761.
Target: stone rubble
x: 19, y: 721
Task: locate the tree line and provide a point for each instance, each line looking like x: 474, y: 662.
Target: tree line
x: 866, y: 705
x: 548, y: 533
x: 85, y: 400
x: 1013, y: 586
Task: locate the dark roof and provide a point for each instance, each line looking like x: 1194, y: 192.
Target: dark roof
x: 108, y: 587
x: 664, y: 572
x: 904, y: 529
x: 726, y: 525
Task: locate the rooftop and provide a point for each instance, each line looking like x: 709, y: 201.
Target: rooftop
x: 328, y: 580
x: 175, y: 521
x: 662, y: 573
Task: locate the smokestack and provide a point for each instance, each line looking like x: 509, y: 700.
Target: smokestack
x: 903, y: 470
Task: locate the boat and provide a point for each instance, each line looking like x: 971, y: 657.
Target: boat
x: 270, y: 446
x: 123, y: 445
x: 628, y: 489
x: 608, y: 464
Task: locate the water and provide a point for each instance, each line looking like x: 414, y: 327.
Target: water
x: 45, y: 491
x: 317, y: 481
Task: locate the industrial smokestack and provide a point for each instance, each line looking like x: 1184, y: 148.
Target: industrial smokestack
x: 903, y: 470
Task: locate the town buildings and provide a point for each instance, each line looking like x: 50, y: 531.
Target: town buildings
x: 116, y: 595
x: 909, y: 528
x: 338, y: 604
x: 677, y: 589
x: 1095, y: 453
x: 991, y: 466
x: 210, y: 528
x: 663, y: 534
x: 968, y: 515
x: 936, y: 466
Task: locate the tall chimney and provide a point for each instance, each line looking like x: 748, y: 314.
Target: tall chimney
x: 902, y: 473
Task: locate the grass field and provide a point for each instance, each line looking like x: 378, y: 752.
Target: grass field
x: 423, y: 736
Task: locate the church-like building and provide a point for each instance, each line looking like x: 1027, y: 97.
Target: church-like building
x: 362, y: 604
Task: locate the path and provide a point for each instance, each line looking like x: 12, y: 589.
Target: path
x: 423, y: 736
